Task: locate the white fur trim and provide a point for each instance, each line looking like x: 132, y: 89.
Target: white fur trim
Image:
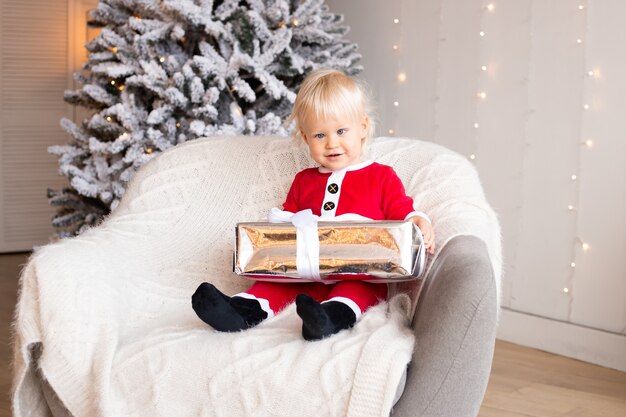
x: 353, y: 306
x: 265, y: 305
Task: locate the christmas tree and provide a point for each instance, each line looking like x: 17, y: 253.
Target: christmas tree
x: 162, y: 72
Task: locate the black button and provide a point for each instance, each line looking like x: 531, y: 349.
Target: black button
x: 333, y: 188
x: 329, y: 205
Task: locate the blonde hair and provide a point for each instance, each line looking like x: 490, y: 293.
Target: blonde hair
x: 329, y: 92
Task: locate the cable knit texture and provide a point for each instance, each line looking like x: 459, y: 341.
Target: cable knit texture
x: 106, y: 319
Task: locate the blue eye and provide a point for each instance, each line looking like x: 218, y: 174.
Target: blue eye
x: 340, y: 132
x: 319, y: 136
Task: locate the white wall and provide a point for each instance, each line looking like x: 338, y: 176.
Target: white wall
x: 528, y: 139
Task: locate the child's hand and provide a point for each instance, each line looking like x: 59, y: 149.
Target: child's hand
x: 427, y: 232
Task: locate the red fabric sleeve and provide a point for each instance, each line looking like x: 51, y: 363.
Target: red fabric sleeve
x: 291, y: 203
x: 396, y: 204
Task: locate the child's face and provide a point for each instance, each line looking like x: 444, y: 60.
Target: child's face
x: 335, y: 143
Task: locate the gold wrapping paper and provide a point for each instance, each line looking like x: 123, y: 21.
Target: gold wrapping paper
x: 375, y: 251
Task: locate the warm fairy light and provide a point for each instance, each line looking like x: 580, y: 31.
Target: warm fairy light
x: 124, y: 135
x: 149, y: 151
x: 121, y: 88
x: 395, y: 103
x: 586, y: 107
x: 573, y: 264
x: 565, y: 290
x: 114, y: 49
x: 395, y: 47
x: 402, y: 77
x: 591, y: 73
x: 482, y: 95
x: 282, y: 24
x: 295, y: 22
x: 484, y: 68
x: 579, y: 41
x: 113, y: 82
x: 581, y: 7
x: 109, y: 118
x: 491, y: 7
x: 481, y: 33
x: 570, y: 207
x: 476, y: 125
x: 472, y: 156
x: 574, y: 177
x: 589, y: 143
x: 162, y: 59
x: 177, y: 124
x: 391, y: 131
x: 396, y: 20
x: 586, y: 246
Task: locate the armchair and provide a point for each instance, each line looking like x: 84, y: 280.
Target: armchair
x: 104, y: 324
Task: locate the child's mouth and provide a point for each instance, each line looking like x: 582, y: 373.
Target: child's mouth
x: 334, y: 155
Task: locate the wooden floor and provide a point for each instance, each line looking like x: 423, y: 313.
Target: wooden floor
x: 524, y: 382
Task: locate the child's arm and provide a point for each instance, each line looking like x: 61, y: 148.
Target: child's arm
x: 427, y: 232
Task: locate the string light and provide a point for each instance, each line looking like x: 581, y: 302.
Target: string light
x: 586, y: 246
x: 570, y: 207
x: 581, y: 7
x: 482, y: 95
x: 586, y: 106
x: 162, y: 59
x: 395, y: 47
x: 295, y: 22
x: 114, y: 49
x: 177, y: 124
x: 589, y: 143
x: 396, y: 20
x: 402, y: 77
x: 112, y: 82
x: 574, y: 177
x: 579, y: 41
x: 484, y: 68
x: 109, y: 118
x: 395, y: 103
x: 392, y: 132
x: 476, y: 125
x: 565, y: 290
x: 481, y: 33
x: 121, y: 88
x: 573, y: 264
x: 472, y: 157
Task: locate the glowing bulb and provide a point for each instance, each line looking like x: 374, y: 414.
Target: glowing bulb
x: 481, y: 33
x: 114, y: 49
x: 570, y: 207
x: 113, y: 82
x: 591, y: 73
x: 581, y: 7
x: 476, y: 125
x: 586, y: 246
x: 391, y: 131
x: 148, y: 151
x: 472, y: 156
x: 295, y: 22
x: 396, y: 20
x: 589, y: 143
x: 395, y: 47
x: 579, y: 41
x: 586, y: 107
x: 482, y: 95
x: 491, y: 7
x: 402, y: 77
x: 109, y: 118
x: 484, y: 68
x: 177, y: 124
x: 124, y: 135
x: 574, y: 177
x: 573, y: 264
x: 395, y: 103
x: 162, y: 59
x: 121, y: 88
x: 565, y: 290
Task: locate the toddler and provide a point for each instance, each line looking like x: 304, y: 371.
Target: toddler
x: 332, y: 114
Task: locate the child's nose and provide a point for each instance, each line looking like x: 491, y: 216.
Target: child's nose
x: 332, y: 142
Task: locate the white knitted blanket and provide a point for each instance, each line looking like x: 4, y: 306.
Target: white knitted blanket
x: 106, y: 318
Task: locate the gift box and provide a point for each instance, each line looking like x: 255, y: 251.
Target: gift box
x: 373, y: 251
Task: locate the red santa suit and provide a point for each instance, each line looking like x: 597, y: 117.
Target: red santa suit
x: 368, y: 189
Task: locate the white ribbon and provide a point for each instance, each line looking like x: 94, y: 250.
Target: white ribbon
x: 307, y: 239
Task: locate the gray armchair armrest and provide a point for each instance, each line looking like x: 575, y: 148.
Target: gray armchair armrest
x: 455, y: 328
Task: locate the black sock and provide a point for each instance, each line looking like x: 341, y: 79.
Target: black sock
x: 322, y: 320
x: 224, y: 313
